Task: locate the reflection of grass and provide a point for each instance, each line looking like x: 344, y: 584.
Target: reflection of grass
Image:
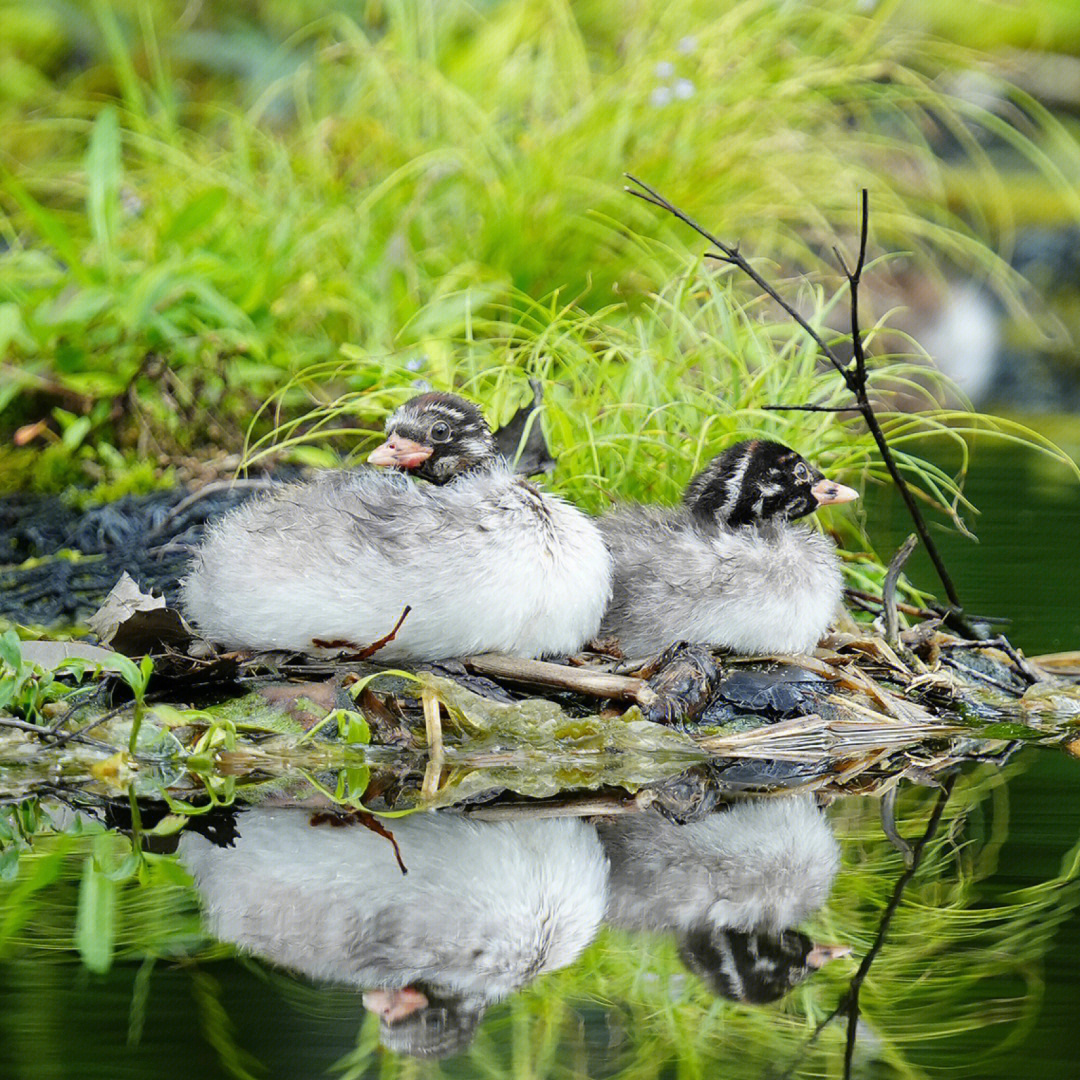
x: 956, y: 961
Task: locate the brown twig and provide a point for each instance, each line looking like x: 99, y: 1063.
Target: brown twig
x: 854, y: 376
x: 578, y: 680
x: 370, y: 821
x: 370, y: 650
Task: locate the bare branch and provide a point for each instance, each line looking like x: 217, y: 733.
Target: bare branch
x: 888, y: 589
x: 730, y: 254
x: 812, y: 408
x: 855, y: 377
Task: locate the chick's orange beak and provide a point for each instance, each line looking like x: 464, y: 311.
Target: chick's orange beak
x: 399, y: 451
x: 394, y: 1005
x: 829, y: 491
x: 820, y: 955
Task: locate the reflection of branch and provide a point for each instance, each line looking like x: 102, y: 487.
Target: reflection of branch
x: 850, y: 1003
x: 855, y: 377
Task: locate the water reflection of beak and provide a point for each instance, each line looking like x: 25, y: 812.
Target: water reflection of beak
x: 820, y: 955
x: 399, y: 451
x: 394, y: 1005
x: 829, y: 491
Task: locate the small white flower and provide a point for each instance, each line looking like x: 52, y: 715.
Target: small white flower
x: 660, y: 96
x: 665, y: 69
x: 415, y: 363
x: 683, y: 89
x: 687, y: 45
x: 131, y: 202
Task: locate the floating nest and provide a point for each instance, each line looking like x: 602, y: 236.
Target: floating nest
x: 597, y: 733
x: 499, y: 736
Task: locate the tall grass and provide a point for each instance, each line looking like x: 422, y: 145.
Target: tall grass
x: 195, y: 211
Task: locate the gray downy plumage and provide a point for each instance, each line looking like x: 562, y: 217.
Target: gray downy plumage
x: 730, y: 567
x: 763, y: 864
x: 485, y: 561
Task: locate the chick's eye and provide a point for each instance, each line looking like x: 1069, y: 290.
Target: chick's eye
x: 802, y: 472
x: 440, y: 431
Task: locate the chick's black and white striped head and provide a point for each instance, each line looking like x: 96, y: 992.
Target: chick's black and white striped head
x: 754, y: 967
x: 758, y: 481
x: 437, y: 437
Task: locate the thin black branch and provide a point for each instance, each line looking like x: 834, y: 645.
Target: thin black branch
x: 731, y: 255
x: 855, y: 377
x: 812, y: 408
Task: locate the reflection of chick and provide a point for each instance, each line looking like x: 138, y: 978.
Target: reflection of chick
x: 483, y: 909
x: 730, y: 887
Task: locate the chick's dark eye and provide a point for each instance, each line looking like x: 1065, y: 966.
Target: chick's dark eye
x: 440, y: 431
x: 802, y: 473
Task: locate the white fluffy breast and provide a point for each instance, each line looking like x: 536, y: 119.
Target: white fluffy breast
x: 487, y: 563
x: 780, y: 594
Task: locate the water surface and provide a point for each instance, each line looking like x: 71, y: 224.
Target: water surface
x: 570, y: 949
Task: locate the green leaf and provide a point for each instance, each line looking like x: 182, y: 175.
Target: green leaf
x: 12, y: 329
x: 74, y: 307
x: 127, y: 670
x: 195, y: 214
x: 11, y: 650
x: 353, y: 728
x: 169, y: 825
x: 166, y: 870
x: 95, y: 920
x: 103, y: 177
x: 9, y: 864
x: 49, y: 226
x: 40, y: 874
x: 352, y: 783
x: 75, y: 433
x: 127, y: 869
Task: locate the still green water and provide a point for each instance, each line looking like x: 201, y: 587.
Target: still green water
x: 978, y: 977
